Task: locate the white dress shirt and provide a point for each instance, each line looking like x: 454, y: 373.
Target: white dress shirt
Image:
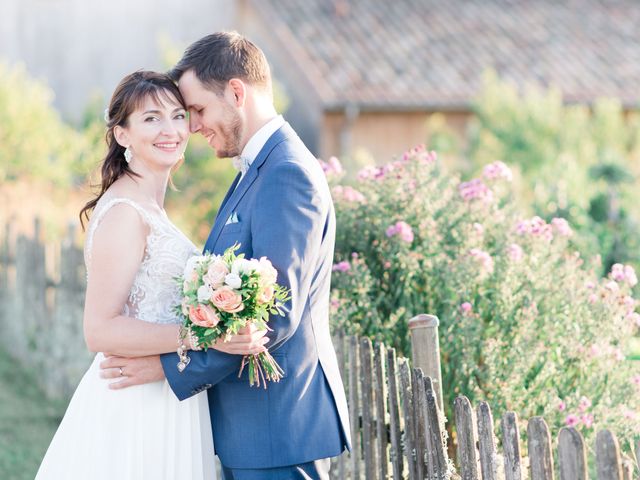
x: 257, y: 141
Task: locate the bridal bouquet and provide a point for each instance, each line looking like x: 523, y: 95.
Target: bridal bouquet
x: 224, y: 293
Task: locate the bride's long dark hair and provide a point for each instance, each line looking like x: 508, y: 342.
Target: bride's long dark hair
x: 129, y: 95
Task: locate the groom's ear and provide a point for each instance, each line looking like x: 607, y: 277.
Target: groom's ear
x: 239, y: 91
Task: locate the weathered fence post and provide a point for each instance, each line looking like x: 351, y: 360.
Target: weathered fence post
x: 354, y: 411
x: 437, y: 465
x: 540, y: 453
x: 406, y: 397
x: 381, y: 410
x: 511, y: 447
x: 608, y: 456
x: 467, y: 439
x: 572, y: 455
x: 368, y: 430
x: 425, y: 349
x: 487, y: 445
x: 395, y: 422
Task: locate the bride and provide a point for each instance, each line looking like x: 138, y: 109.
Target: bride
x: 133, y: 253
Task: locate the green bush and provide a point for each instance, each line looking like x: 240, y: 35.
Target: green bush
x: 526, y: 323
x: 34, y: 141
x: 573, y: 161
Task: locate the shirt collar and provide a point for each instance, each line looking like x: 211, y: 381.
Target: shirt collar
x: 257, y: 141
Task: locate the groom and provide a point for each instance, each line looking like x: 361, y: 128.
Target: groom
x: 279, y: 206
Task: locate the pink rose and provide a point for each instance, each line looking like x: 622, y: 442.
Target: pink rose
x: 216, y: 274
x: 203, y: 316
x: 227, y: 300
x: 266, y: 294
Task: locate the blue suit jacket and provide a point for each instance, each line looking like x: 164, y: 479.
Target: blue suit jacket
x: 285, y: 212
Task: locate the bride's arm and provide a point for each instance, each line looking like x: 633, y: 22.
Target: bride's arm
x: 116, y: 254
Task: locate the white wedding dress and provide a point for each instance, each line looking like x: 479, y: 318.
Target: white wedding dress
x: 141, y: 432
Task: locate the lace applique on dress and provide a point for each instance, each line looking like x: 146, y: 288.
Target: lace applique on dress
x: 154, y: 292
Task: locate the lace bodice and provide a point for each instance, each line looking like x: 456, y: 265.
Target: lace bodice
x: 154, y: 292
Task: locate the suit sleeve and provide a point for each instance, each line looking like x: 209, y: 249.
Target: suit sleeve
x: 287, y: 226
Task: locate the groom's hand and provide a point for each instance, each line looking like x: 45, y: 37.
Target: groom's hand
x: 132, y: 371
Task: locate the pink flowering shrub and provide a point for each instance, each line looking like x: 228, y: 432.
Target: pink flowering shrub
x: 526, y: 324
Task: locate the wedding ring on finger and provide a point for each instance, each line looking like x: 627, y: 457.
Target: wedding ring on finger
x: 121, y: 371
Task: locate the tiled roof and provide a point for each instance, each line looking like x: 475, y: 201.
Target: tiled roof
x: 414, y: 54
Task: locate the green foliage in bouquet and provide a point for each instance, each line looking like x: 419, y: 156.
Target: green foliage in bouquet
x: 526, y: 323
x: 222, y: 295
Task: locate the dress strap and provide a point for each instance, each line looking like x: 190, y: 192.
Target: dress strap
x: 99, y: 215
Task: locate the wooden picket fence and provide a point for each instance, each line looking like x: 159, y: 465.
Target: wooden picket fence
x: 42, y: 294
x: 397, y: 426
x: 398, y: 430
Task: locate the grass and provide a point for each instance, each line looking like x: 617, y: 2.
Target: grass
x: 27, y: 421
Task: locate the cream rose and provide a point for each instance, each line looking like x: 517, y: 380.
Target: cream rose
x: 203, y: 316
x: 227, y: 300
x: 216, y: 274
x: 268, y: 274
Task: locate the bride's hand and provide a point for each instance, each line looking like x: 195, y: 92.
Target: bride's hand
x: 248, y: 341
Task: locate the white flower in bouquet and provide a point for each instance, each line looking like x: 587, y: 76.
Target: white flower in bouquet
x: 240, y: 266
x: 204, y: 293
x: 233, y: 280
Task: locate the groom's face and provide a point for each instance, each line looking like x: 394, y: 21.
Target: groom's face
x: 214, y: 116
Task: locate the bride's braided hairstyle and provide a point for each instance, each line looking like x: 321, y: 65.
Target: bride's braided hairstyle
x: 129, y: 95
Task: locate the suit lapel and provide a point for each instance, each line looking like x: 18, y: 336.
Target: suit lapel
x: 234, y: 195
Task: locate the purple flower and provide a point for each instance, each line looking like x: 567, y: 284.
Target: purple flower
x: 561, y: 227
x: 466, y: 308
x: 483, y: 258
x: 332, y: 167
x: 515, y: 253
x: 623, y: 273
x: 402, y: 229
x: 343, y: 266
x: 584, y: 404
x: 587, y: 420
x: 475, y: 190
x: 349, y: 194
x: 572, y: 420
x: 497, y: 171
x: 562, y: 406
x: 636, y: 380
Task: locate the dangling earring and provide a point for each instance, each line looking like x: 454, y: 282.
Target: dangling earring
x: 128, y: 156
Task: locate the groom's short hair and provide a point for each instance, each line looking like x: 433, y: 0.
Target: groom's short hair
x: 221, y: 56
